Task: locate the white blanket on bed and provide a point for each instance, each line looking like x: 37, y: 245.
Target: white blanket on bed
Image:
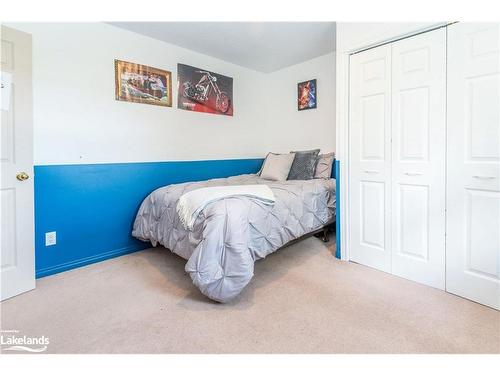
x: 191, y: 203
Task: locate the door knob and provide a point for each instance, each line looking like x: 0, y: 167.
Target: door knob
x: 22, y: 176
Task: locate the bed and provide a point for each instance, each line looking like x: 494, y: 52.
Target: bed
x: 229, y: 235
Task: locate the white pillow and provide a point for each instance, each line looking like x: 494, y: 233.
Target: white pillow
x: 277, y: 166
x: 324, y: 165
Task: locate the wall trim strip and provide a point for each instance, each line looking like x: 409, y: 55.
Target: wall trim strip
x: 89, y: 260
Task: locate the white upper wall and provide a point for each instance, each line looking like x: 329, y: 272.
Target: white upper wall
x: 308, y: 129
x: 78, y: 120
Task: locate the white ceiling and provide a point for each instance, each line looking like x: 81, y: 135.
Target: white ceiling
x: 261, y: 46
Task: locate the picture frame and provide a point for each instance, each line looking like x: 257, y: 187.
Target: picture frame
x: 201, y: 90
x: 307, y: 95
x: 138, y: 83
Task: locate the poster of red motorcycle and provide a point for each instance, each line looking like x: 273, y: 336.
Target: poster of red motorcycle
x: 204, y: 91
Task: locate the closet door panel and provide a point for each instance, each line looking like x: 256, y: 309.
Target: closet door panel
x: 370, y: 157
x: 418, y: 157
x: 473, y: 166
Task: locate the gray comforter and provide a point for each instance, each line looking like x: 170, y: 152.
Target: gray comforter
x: 229, y: 235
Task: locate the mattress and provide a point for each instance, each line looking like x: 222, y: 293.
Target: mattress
x: 229, y: 235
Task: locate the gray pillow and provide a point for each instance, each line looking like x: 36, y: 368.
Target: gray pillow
x: 304, y: 165
x: 324, y: 165
x: 277, y: 166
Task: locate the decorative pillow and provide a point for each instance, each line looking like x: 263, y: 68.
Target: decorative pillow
x: 303, y: 165
x: 324, y: 165
x: 277, y: 166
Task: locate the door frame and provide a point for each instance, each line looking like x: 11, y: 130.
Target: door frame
x: 342, y: 114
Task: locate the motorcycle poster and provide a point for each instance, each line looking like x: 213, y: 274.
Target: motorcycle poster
x: 204, y: 91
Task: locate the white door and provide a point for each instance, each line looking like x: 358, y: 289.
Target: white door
x: 418, y: 158
x: 473, y: 179
x: 370, y: 156
x: 17, y: 237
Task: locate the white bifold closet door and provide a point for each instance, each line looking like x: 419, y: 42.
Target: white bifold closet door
x: 419, y: 158
x: 397, y: 152
x: 370, y: 156
x: 473, y: 185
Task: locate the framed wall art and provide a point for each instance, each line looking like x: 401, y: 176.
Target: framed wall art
x: 203, y: 91
x: 142, y: 84
x: 307, y: 95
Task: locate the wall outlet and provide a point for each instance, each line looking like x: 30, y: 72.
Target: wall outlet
x: 50, y: 238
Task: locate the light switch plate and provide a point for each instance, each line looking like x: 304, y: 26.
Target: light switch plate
x: 50, y: 238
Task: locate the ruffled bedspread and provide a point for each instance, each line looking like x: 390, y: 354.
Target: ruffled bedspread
x: 229, y: 235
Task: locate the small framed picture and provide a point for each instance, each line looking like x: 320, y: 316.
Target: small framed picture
x: 307, y: 95
x: 142, y: 84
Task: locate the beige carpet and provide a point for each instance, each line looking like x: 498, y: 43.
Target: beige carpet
x: 301, y: 300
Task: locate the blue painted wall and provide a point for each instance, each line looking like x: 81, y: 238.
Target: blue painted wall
x: 93, y: 206
x: 336, y: 175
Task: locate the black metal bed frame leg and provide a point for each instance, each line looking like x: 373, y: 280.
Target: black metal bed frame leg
x: 326, y: 234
